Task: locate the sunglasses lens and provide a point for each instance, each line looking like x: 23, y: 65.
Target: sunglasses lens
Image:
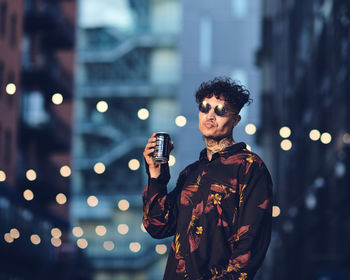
x: 220, y: 110
x: 204, y: 107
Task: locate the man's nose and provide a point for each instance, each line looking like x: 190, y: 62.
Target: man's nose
x: 211, y: 114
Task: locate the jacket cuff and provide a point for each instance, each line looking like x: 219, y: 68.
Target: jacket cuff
x: 164, y: 176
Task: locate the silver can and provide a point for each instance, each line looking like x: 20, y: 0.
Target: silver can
x: 162, y: 148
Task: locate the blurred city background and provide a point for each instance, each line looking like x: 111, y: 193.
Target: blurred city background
x: 84, y: 83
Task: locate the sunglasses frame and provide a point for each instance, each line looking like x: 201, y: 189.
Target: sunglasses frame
x: 205, y: 107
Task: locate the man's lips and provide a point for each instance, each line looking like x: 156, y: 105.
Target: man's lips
x: 209, y: 124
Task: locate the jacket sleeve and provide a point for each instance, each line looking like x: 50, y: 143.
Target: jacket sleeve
x: 251, y: 238
x: 159, y: 206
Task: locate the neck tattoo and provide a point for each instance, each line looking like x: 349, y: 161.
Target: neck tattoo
x: 215, y: 145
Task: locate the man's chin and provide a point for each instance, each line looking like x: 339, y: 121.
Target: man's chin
x: 213, y: 137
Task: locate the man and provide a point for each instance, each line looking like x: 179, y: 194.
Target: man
x: 220, y: 209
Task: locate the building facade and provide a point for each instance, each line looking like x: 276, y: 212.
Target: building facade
x: 36, y: 87
x: 128, y: 70
x: 11, y: 15
x: 220, y: 39
x: 305, y: 68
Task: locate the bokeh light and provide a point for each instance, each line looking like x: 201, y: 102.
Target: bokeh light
x: 31, y: 175
x: 135, y: 247
x: 77, y: 231
x: 123, y: 205
x: 134, y: 164
x: 82, y: 243
x: 57, y: 98
x: 8, y: 238
x: 92, y: 201
x: 100, y: 230
x: 172, y: 160
x: 123, y: 229
x: 250, y: 129
x: 56, y: 242
x: 99, y: 168
x: 35, y: 239
x: 310, y: 201
x: 102, y: 106
x: 65, y: 171
x: 276, y: 211
x: 61, y: 198
x: 285, y: 132
x: 56, y: 232
x: 28, y: 195
x: 10, y: 88
x: 314, y: 134
x: 14, y: 233
x: 161, y: 249
x: 2, y: 176
x: 326, y: 138
x: 108, y: 245
x: 346, y: 138
x: 286, y: 145
x: 143, y: 228
x: 180, y: 121
x: 143, y: 114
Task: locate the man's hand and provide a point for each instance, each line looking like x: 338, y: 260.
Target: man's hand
x: 154, y: 167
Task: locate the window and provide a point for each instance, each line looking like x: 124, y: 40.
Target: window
x: 205, y: 43
x: 165, y: 16
x: 3, y: 10
x: 13, y: 30
x: 165, y: 67
x: 240, y: 8
x: 34, y: 112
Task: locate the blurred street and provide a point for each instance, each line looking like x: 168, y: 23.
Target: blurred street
x: 85, y: 83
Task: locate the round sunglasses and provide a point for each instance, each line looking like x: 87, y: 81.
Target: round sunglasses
x: 219, y: 109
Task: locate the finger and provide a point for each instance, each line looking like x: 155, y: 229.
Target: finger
x: 152, y: 140
x: 153, y: 137
x: 150, y: 143
x: 150, y: 146
x: 148, y: 152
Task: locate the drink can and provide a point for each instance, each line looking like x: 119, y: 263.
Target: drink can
x: 162, y: 148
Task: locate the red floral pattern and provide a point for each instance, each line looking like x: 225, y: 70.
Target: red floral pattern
x: 211, y: 216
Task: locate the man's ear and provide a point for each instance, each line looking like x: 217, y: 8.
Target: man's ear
x: 237, y: 119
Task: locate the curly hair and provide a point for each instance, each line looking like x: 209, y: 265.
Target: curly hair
x: 222, y: 87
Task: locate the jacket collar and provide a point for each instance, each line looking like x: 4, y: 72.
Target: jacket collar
x: 228, y: 151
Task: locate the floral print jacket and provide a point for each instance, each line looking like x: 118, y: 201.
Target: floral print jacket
x: 219, y: 214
